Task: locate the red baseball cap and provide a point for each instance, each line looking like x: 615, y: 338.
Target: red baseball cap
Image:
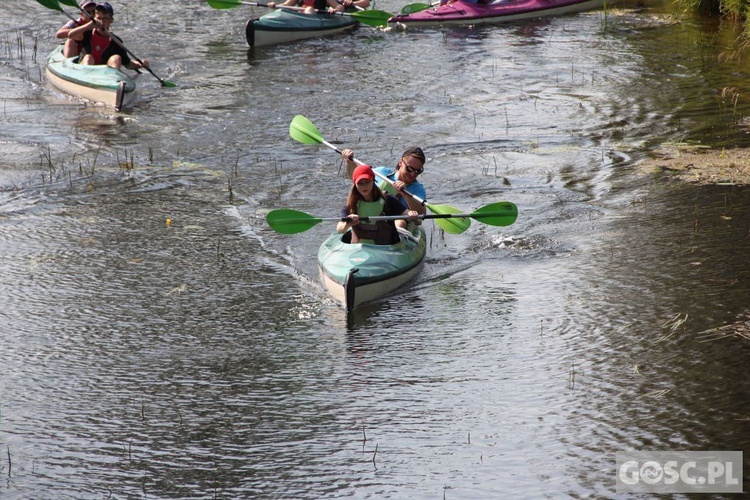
x: 363, y: 172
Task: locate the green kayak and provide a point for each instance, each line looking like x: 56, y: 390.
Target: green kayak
x: 361, y: 272
x: 283, y: 26
x: 100, y: 84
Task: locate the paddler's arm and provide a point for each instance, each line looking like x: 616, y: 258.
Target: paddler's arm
x: 348, y: 155
x: 335, y: 6
x: 133, y: 64
x: 410, y: 202
x: 356, y: 3
x: 63, y: 32
x: 77, y: 33
x: 287, y: 3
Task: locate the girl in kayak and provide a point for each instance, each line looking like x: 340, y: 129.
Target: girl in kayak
x: 367, y: 200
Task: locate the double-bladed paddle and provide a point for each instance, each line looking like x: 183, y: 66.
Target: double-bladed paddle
x: 55, y: 5
x: 376, y: 18
x: 302, y: 130
x: 287, y: 221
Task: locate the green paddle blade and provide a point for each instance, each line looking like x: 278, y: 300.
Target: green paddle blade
x: 302, y: 130
x: 50, y: 4
x: 376, y: 18
x: 69, y: 3
x: 453, y: 225
x: 164, y: 83
x: 413, y: 8
x: 287, y: 221
x: 224, y: 4
x: 503, y: 213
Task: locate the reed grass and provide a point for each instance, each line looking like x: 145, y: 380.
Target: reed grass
x: 658, y: 393
x: 739, y: 329
x: 220, y: 256
x: 572, y: 376
x: 278, y: 168
x: 129, y: 162
x: 672, y: 325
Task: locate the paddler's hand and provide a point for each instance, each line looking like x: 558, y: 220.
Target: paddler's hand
x: 145, y: 63
x: 399, y: 186
x: 412, y: 214
x: 271, y: 5
x: 348, y: 154
x: 353, y: 219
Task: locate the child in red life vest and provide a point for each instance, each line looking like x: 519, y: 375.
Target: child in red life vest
x: 99, y: 45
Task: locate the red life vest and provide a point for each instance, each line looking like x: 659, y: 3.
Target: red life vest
x: 315, y: 4
x: 99, y: 44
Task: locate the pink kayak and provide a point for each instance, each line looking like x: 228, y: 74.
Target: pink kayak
x: 466, y: 12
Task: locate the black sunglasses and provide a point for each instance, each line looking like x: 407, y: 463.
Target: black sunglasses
x: 412, y: 170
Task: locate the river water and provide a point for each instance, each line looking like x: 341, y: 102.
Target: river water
x: 159, y: 340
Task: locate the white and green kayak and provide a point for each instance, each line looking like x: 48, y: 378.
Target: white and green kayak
x: 362, y: 272
x: 100, y: 83
x: 285, y: 25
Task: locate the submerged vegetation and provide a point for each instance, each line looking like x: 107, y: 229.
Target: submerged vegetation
x: 733, y: 10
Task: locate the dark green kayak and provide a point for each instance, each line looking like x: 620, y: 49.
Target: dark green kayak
x: 283, y: 26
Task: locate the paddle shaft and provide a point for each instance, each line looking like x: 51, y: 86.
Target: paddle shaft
x: 376, y: 218
x: 290, y: 221
x: 340, y: 2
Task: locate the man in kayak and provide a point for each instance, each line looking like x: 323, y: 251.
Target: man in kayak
x: 72, y: 47
x: 99, y: 45
x: 311, y: 6
x: 367, y: 200
x: 403, y: 177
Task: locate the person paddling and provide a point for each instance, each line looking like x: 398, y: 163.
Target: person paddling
x: 403, y: 177
x: 99, y: 46
x: 367, y: 200
x: 72, y: 47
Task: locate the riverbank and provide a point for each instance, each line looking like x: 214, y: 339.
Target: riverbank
x: 700, y: 164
